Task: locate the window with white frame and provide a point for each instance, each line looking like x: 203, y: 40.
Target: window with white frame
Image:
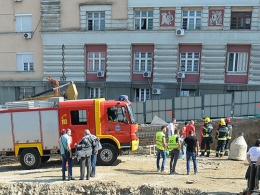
x: 24, y: 61
x: 143, y: 20
x: 191, y: 20
x: 190, y: 61
x: 96, y: 92
x: 96, y: 61
x: 25, y: 92
x: 23, y: 22
x: 142, y: 61
x: 96, y: 20
x: 237, y: 62
x: 142, y: 95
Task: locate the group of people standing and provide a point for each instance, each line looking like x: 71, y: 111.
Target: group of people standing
x: 223, y: 136
x: 176, y: 142
x: 90, y: 144
x: 187, y: 142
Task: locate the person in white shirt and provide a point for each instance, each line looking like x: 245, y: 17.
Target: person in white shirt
x: 171, y: 127
x: 253, y: 157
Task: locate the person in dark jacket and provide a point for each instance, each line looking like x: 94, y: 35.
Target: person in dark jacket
x: 206, y: 137
x: 85, y: 144
x: 221, y: 136
x: 253, y: 158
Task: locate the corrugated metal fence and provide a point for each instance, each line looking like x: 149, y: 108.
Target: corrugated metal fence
x: 241, y: 103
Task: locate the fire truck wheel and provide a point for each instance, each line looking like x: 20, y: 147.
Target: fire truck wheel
x: 30, y: 159
x: 107, y: 155
x: 45, y: 159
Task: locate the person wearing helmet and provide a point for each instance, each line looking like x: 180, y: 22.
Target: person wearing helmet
x: 229, y: 126
x: 206, y: 137
x: 221, y: 136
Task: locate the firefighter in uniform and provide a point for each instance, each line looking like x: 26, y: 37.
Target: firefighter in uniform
x: 221, y: 136
x: 174, y: 149
x: 206, y: 137
x: 229, y: 126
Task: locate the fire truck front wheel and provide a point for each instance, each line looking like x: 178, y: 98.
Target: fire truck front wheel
x: 30, y: 159
x: 107, y: 155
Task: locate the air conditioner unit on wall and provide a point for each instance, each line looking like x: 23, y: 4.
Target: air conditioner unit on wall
x: 181, y: 75
x: 156, y: 91
x: 147, y: 74
x: 101, y: 74
x: 180, y: 32
x: 27, y: 35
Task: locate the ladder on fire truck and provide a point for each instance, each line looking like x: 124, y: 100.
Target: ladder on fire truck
x: 47, y: 101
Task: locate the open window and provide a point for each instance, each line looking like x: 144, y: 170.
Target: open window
x: 78, y: 117
x: 117, y: 114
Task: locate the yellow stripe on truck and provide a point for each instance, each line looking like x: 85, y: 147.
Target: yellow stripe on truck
x: 98, y: 115
x: 111, y: 137
x: 17, y: 147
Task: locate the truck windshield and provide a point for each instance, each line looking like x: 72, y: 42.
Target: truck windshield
x: 131, y: 114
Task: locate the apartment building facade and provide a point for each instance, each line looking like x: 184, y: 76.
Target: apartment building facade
x: 144, y: 49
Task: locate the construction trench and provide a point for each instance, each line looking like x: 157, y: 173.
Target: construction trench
x: 42, y: 186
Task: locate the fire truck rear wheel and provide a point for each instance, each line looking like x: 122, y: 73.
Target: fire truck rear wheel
x: 107, y: 155
x: 30, y: 159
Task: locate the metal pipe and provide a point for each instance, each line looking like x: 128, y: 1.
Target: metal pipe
x: 181, y: 86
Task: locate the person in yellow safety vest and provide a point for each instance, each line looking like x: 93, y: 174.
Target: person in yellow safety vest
x: 229, y: 136
x: 221, y: 137
x: 161, y: 147
x: 174, y: 149
x: 206, y: 137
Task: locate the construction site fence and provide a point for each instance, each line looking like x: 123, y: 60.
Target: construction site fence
x: 237, y: 104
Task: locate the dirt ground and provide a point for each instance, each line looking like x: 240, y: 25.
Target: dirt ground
x: 132, y: 172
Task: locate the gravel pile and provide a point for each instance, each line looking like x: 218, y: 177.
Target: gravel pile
x: 98, y: 188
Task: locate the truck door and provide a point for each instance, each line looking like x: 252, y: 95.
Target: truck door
x: 78, y: 123
x: 117, y: 124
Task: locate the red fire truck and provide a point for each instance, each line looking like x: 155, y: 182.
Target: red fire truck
x: 31, y: 129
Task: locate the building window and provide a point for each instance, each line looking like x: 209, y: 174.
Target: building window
x: 142, y: 95
x: 191, y: 20
x: 241, y: 20
x: 96, y: 92
x: 190, y: 61
x: 23, y: 22
x: 188, y: 93
x: 24, y: 62
x: 143, y: 20
x: 96, y: 61
x: 237, y: 62
x: 142, y: 61
x: 96, y: 20
x: 25, y: 92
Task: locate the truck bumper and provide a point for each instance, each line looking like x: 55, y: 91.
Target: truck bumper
x: 135, y: 145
